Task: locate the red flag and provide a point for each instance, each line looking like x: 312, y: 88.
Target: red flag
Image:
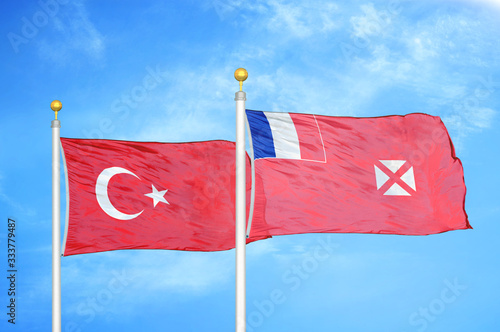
x: 135, y: 195
x: 390, y: 175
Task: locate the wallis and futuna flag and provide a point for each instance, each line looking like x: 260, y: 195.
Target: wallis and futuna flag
x: 136, y: 195
x: 386, y: 175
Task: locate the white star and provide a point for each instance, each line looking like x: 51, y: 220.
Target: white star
x: 157, y: 196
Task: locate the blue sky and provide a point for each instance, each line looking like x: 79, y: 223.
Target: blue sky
x: 353, y: 58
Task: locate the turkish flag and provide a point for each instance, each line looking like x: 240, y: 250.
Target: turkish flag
x: 390, y: 175
x: 137, y: 195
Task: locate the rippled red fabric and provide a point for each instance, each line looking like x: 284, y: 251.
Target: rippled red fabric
x: 384, y: 175
x: 113, y: 205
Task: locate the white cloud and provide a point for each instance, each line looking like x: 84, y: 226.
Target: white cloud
x: 422, y: 48
x: 246, y: 52
x: 77, y: 35
x: 287, y: 91
x: 291, y: 19
x: 184, y: 107
x: 418, y: 56
x: 467, y: 120
x: 372, y: 23
x: 302, y: 21
x: 18, y: 207
x: 120, y: 282
x: 494, y: 4
x: 189, y: 273
x: 480, y: 117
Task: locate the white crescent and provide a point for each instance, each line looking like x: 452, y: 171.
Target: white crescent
x: 101, y: 192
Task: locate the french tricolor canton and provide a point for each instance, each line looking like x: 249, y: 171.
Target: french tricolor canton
x: 286, y: 136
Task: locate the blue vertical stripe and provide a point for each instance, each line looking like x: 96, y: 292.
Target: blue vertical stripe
x: 262, y: 137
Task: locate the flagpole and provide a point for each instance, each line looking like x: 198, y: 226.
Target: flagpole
x: 56, y: 220
x: 240, y: 74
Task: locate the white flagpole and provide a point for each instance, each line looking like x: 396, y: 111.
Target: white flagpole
x: 56, y: 220
x: 240, y: 74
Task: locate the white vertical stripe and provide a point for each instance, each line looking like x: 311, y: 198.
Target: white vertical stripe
x: 286, y: 141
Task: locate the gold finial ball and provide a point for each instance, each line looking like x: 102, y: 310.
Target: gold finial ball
x: 56, y: 105
x: 241, y: 74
